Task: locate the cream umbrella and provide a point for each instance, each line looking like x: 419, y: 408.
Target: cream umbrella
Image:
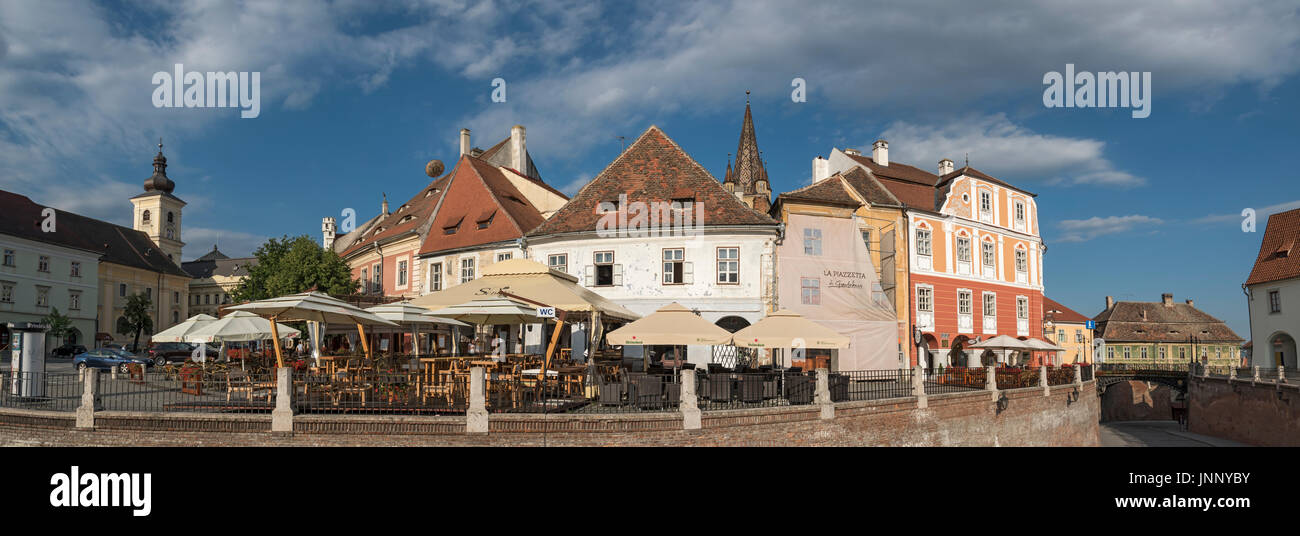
x: 238, y: 326
x: 532, y: 281
x: 313, y: 307
x: 1004, y: 343
x: 177, y: 333
x: 1041, y: 345
x: 788, y: 329
x: 412, y: 316
x: 673, y: 325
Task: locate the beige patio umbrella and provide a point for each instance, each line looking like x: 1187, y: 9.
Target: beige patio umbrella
x: 1004, y: 343
x: 312, y: 307
x: 534, y: 282
x: 237, y: 326
x: 412, y: 316
x: 788, y: 329
x: 672, y: 325
x: 177, y: 333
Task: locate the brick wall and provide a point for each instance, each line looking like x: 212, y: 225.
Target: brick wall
x: 1136, y: 401
x: 1263, y: 413
x: 960, y: 419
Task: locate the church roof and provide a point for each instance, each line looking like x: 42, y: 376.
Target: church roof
x: 749, y: 162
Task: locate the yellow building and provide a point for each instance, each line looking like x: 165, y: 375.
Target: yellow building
x: 1067, y: 329
x: 879, y: 217
x: 1164, y: 333
x: 215, y: 277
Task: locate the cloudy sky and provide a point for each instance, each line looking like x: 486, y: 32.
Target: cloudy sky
x: 357, y: 96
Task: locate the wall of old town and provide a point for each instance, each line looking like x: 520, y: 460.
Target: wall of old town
x: 1265, y: 413
x: 1065, y: 415
x: 1137, y: 401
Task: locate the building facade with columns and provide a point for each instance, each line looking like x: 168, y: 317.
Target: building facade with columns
x: 975, y: 265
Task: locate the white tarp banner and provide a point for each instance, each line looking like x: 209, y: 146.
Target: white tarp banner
x: 827, y: 276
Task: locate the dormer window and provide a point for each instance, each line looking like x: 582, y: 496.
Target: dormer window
x: 430, y: 192
x: 486, y: 220
x: 455, y: 226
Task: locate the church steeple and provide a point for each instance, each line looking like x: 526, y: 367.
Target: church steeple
x: 749, y: 175
x: 159, y: 181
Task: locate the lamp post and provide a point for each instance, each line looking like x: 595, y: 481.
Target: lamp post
x: 916, y: 339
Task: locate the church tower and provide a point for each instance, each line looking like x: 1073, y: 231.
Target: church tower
x: 748, y: 179
x: 158, y: 212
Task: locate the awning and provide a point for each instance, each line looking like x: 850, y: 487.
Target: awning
x: 531, y: 280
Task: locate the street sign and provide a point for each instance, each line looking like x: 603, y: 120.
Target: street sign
x: 545, y: 312
x: 1090, y: 325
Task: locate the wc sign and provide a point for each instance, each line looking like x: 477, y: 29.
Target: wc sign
x: 545, y: 312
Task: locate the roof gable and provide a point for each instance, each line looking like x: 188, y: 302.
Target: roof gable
x: 1279, y: 250
x: 410, y: 217
x: 653, y: 169
x: 480, y: 206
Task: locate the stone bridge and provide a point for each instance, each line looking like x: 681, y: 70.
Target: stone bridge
x: 1174, y: 376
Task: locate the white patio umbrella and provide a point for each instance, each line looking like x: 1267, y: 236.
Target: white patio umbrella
x: 177, y: 333
x: 672, y: 325
x: 1039, y: 344
x: 1004, y: 343
x: 412, y: 316
x: 238, y: 326
x: 489, y: 311
x: 313, y: 307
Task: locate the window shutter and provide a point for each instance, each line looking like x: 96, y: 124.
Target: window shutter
x: 688, y: 272
x: 589, y: 276
x: 618, y: 275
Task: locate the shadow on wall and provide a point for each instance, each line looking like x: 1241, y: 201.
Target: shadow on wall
x: 1137, y: 401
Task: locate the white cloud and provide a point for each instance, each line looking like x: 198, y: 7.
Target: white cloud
x: 1084, y: 230
x: 1005, y: 150
x: 1261, y: 214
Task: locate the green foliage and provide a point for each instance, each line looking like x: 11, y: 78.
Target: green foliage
x: 135, y: 317
x: 59, y: 324
x: 290, y: 265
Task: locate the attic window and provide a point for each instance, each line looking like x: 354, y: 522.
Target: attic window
x: 431, y: 192
x: 407, y: 218
x: 455, y: 226
x: 401, y: 208
x: 515, y: 199
x: 485, y: 220
x: 609, y: 205
x: 1282, y: 253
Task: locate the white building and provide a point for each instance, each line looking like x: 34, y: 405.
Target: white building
x: 655, y: 227
x: 1273, y: 293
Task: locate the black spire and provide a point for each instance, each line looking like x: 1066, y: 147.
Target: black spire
x: 159, y: 181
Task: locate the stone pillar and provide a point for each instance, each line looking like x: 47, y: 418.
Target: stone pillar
x: 1232, y: 373
x: 1281, y: 374
x: 689, y: 405
x: 1256, y: 373
x: 918, y: 387
x: 86, y: 411
x: 476, y: 419
x: 823, y: 395
x: 991, y: 381
x: 282, y: 415
x: 1078, y: 374
x: 1042, y: 381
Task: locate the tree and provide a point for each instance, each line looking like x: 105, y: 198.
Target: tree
x: 135, y: 318
x: 59, y: 324
x: 291, y: 265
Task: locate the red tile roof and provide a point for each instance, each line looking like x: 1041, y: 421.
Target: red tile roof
x: 1157, y: 322
x: 478, y: 194
x: 1066, y: 314
x: 972, y: 172
x: 409, y: 218
x: 912, y: 186
x: 652, y: 169
x: 1279, y: 251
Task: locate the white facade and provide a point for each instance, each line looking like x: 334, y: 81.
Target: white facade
x: 38, y: 277
x: 638, y: 281
x: 1274, y: 332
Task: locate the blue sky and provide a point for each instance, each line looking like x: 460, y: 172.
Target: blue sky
x: 357, y: 97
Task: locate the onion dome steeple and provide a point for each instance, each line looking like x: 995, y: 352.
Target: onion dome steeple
x: 159, y: 181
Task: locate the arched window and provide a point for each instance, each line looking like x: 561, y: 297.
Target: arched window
x: 171, y: 217
x: 145, y: 217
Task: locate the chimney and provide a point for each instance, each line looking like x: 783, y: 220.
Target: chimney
x: 880, y: 152
x: 821, y: 168
x: 383, y: 207
x: 519, y: 150
x: 945, y: 167
x: 1110, y: 302
x: 1190, y: 302
x: 327, y: 229
x: 1167, y: 299
x: 464, y: 141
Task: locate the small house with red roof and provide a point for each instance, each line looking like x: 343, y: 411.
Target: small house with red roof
x: 1273, y: 293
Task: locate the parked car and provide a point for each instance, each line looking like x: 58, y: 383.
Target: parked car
x: 162, y: 353
x: 108, y: 359
x: 68, y: 350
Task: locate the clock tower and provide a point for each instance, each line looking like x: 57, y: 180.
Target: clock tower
x: 158, y: 212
